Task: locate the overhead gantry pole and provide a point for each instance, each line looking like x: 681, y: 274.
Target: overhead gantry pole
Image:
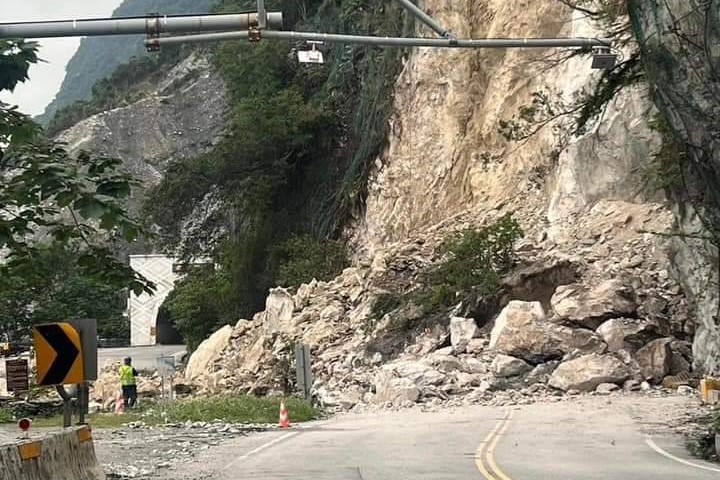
x: 420, y: 14
x: 140, y: 25
x: 391, y: 41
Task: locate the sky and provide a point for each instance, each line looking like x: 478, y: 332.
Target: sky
x: 45, y: 78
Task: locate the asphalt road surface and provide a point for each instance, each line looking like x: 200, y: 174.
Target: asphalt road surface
x: 594, y: 438
x: 142, y: 357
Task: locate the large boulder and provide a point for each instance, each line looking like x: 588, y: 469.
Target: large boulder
x: 578, y: 340
x: 587, y: 372
x: 207, y: 353
x: 655, y: 359
x: 418, y: 373
x: 397, y: 391
x: 590, y: 306
x: 522, y: 330
x: 462, y: 330
x: 627, y: 333
x: 279, y: 307
x: 507, y: 366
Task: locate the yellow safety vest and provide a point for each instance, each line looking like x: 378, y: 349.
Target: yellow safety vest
x: 126, y: 376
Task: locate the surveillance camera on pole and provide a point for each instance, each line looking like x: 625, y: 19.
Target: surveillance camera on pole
x: 313, y: 55
x: 604, y: 58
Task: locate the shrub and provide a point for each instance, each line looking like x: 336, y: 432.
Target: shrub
x: 302, y: 258
x: 475, y: 259
x: 386, y: 303
x: 6, y: 416
x: 195, y: 305
x: 472, y: 262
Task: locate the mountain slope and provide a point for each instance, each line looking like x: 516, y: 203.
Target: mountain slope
x: 98, y: 57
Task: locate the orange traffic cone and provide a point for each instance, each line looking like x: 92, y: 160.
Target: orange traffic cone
x: 284, y: 417
x: 119, y: 405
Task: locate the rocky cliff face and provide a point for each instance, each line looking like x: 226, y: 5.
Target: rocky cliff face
x: 587, y: 257
x: 183, y: 117
x: 680, y: 46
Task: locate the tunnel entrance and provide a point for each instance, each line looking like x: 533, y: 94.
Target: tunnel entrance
x: 167, y: 332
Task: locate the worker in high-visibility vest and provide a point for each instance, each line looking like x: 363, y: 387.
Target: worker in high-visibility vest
x: 128, y: 383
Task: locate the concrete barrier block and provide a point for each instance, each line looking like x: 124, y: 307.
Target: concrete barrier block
x: 66, y: 455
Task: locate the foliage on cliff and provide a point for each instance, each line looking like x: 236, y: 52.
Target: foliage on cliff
x: 296, y: 159
x: 53, y: 206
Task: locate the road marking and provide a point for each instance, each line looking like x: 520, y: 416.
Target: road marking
x: 662, y: 452
x: 491, y: 449
x: 486, y: 449
x: 261, y: 448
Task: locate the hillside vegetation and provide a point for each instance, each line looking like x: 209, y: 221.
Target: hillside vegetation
x: 293, y: 166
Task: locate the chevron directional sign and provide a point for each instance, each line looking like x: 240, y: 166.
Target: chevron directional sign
x: 58, y: 352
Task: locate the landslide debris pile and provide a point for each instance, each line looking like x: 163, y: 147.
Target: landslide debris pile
x: 590, y: 308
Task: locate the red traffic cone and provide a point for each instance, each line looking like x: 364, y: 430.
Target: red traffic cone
x: 119, y: 404
x: 284, y: 417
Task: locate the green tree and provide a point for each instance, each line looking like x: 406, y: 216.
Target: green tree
x: 55, y: 290
x: 302, y: 258
x: 50, y: 200
x: 196, y: 304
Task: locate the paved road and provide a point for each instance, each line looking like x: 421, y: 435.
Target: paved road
x: 143, y: 357
x: 586, y: 439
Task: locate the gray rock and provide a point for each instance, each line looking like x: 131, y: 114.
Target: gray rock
x: 606, y: 388
x: 462, y: 330
x: 418, y: 373
x: 631, y: 385
x: 587, y: 372
x: 476, y: 345
x: 521, y: 330
x: 655, y: 359
x: 447, y: 363
x: 507, y: 366
x: 627, y: 333
x: 589, y: 306
x: 541, y: 373
x: 395, y: 391
x: 467, y: 379
x: 686, y: 390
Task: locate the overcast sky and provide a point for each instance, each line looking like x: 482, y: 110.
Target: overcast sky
x: 45, y: 78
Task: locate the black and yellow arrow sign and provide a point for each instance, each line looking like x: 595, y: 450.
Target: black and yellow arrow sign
x: 58, y: 352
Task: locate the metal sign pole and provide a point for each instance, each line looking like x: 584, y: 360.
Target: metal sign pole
x: 67, y: 405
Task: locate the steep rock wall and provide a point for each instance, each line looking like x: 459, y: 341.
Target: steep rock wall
x: 680, y: 45
x: 446, y: 156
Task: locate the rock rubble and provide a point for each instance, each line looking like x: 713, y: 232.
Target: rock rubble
x: 574, y: 317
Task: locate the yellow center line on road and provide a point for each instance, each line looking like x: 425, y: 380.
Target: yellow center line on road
x: 491, y: 450
x: 486, y: 449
